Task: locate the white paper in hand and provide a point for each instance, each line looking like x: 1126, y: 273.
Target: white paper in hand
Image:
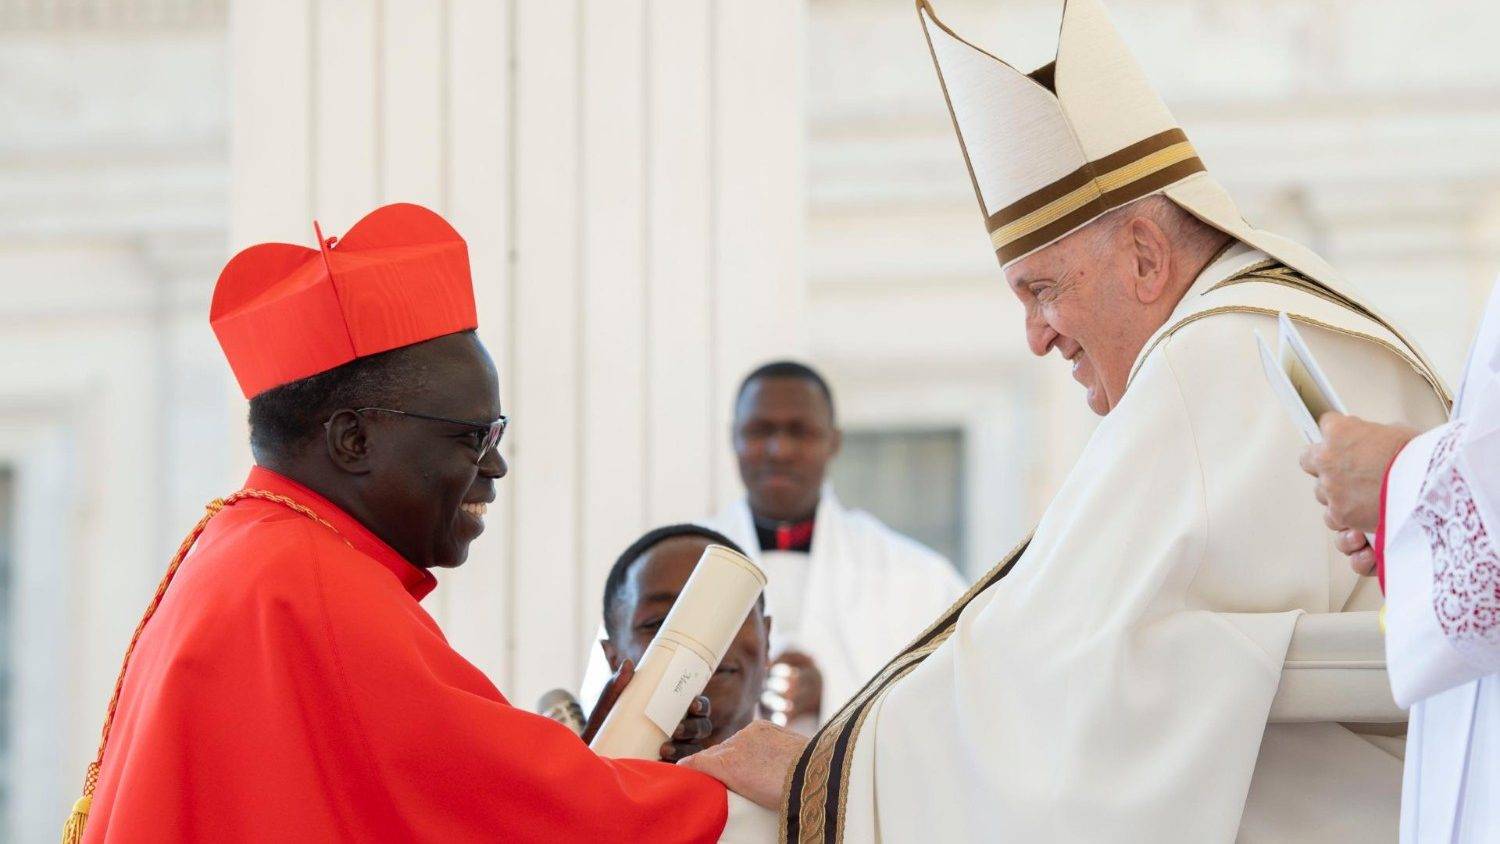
x: 1299, y: 383
x: 686, y: 676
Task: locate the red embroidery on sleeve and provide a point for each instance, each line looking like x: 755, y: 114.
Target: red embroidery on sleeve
x: 1466, y: 569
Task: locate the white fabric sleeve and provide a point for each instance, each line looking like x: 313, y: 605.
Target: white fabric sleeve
x: 749, y: 824
x: 1335, y: 671
x: 1442, y: 571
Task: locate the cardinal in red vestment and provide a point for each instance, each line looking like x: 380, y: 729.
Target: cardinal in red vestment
x: 286, y: 684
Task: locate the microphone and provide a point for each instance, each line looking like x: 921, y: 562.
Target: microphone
x: 561, y: 706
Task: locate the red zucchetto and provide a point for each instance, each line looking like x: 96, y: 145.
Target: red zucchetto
x: 284, y: 312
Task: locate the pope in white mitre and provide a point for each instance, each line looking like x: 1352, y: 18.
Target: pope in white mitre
x: 1179, y: 651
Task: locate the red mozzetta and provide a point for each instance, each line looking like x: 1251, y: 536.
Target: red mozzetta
x: 291, y: 688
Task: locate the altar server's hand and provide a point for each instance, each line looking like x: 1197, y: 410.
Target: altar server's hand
x: 753, y: 762
x: 794, y: 687
x: 687, y: 740
x: 1349, y: 465
x: 690, y: 734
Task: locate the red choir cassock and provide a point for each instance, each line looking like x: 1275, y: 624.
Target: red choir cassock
x: 288, y: 686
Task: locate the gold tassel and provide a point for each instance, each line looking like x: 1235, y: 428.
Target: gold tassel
x: 73, y: 829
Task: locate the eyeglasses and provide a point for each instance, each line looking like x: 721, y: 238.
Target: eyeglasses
x: 492, y: 431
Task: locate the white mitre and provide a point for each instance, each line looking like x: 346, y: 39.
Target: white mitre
x: 1050, y: 151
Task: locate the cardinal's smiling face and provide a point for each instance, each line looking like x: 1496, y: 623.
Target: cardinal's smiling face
x: 413, y: 455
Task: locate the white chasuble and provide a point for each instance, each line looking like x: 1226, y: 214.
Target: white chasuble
x: 1442, y: 575
x: 1178, y: 653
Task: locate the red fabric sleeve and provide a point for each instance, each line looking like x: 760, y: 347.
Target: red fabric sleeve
x: 462, y: 764
x: 290, y: 689
x: 1379, y: 547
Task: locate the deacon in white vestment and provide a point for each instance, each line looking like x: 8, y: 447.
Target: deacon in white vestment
x: 1440, y: 564
x: 1178, y: 652
x: 844, y: 591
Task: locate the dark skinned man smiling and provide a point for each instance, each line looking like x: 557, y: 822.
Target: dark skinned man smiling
x: 845, y: 590
x: 640, y: 590
x: 285, y: 683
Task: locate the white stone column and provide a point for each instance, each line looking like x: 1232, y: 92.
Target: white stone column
x: 628, y: 176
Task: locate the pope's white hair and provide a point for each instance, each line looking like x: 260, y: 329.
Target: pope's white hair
x: 1183, y: 230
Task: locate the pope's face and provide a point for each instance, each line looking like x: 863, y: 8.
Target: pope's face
x: 1077, y: 301
x: 784, y: 437
x: 424, y: 488
x: 648, y: 593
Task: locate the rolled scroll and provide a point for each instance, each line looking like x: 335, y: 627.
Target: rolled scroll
x: 682, y: 658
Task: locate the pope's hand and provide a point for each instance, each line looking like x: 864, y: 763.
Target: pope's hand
x: 753, y: 762
x: 1349, y: 467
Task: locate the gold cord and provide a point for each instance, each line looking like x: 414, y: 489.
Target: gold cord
x: 73, y: 829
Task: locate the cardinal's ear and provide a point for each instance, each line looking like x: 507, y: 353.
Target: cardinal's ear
x: 347, y: 442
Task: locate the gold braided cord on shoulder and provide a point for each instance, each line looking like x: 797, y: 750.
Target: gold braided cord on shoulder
x: 73, y: 829
x: 817, y: 788
x: 1271, y: 272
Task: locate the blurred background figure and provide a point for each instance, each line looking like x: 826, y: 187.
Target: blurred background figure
x: 657, y: 196
x: 848, y: 592
x: 640, y: 590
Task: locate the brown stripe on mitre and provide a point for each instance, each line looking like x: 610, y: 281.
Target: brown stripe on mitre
x: 1038, y: 199
x: 1117, y: 179
x: 1138, y: 150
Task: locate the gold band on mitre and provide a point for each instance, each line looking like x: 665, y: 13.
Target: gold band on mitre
x: 1103, y: 185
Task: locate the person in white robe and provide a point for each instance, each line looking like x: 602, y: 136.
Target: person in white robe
x: 844, y: 591
x: 1179, y: 651
x: 859, y: 594
x: 1433, y: 502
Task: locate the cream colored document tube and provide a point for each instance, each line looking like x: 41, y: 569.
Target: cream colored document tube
x: 685, y: 653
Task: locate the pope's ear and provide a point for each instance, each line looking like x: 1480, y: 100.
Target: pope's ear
x: 1150, y: 259
x: 347, y: 442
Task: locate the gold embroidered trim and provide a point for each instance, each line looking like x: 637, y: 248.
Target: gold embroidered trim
x: 1431, y: 378
x: 808, y: 805
x: 1092, y: 191
x: 1273, y: 272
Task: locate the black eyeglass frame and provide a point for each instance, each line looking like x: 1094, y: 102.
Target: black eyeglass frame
x: 493, y: 431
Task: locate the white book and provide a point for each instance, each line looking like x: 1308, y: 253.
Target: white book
x: 1299, y: 382
x: 1305, y: 392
